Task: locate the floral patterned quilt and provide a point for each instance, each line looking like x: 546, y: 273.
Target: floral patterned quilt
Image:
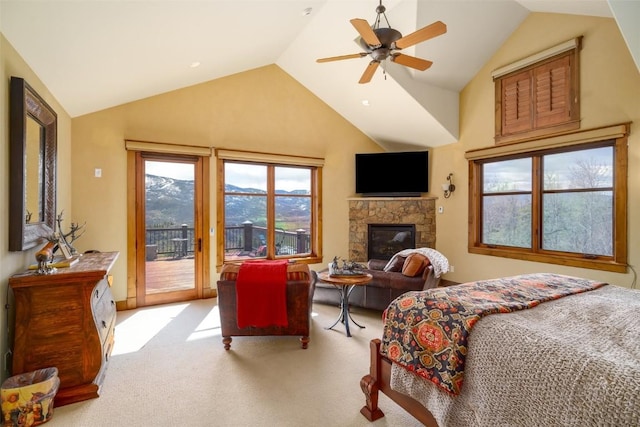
x: 426, y: 332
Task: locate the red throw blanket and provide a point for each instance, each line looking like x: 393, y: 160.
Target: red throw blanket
x: 427, y: 332
x: 261, y: 294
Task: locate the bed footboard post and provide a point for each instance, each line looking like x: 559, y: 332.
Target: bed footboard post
x: 369, y: 384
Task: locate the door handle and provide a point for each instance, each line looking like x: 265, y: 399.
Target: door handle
x: 200, y: 245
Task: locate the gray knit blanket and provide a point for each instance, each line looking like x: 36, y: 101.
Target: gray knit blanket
x: 574, y: 361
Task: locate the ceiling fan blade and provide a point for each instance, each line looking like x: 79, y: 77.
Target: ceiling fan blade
x: 426, y: 33
x: 369, y: 72
x: 339, y: 58
x: 411, y: 61
x: 365, y: 31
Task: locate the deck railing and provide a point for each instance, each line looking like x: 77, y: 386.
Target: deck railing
x: 250, y: 240
x: 244, y: 240
x: 169, y: 242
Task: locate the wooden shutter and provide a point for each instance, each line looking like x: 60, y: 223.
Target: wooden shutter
x: 551, y: 96
x: 516, y: 103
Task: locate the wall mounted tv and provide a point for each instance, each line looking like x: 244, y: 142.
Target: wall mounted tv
x: 392, y: 174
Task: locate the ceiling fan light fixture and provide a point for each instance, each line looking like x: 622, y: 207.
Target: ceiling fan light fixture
x: 380, y: 54
x: 384, y: 43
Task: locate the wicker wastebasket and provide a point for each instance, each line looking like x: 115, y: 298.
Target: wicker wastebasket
x: 27, y: 399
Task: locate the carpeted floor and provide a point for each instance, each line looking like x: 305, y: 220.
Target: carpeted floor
x: 169, y: 368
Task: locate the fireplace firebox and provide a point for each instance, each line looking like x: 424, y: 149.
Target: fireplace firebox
x: 384, y: 240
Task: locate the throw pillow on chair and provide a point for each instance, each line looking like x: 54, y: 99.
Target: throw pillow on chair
x: 414, y: 265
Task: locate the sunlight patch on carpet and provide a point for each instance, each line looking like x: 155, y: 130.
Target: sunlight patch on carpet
x: 209, y: 327
x: 136, y: 331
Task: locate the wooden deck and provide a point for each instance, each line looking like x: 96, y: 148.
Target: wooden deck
x: 168, y: 274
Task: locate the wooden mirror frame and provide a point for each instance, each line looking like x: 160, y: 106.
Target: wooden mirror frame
x: 24, y: 102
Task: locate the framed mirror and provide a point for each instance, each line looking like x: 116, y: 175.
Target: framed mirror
x: 32, y: 167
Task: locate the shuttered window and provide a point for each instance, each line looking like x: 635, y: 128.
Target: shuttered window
x: 538, y: 100
x: 516, y: 95
x: 551, y: 97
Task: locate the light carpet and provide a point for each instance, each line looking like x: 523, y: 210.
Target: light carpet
x: 169, y: 368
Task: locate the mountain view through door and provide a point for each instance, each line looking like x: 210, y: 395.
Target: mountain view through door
x: 171, y: 237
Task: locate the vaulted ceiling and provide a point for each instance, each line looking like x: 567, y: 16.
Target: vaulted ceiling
x: 94, y: 55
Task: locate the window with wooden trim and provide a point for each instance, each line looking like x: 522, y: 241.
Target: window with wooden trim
x: 562, y: 205
x: 539, y: 99
x: 268, y: 210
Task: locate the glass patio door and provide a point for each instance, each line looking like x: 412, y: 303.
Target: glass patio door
x: 168, y: 229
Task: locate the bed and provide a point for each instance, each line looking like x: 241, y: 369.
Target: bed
x: 529, y: 350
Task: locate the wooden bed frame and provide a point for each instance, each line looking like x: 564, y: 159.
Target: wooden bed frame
x: 378, y: 380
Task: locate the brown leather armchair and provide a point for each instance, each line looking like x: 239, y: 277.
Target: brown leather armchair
x: 383, y: 288
x: 300, y: 289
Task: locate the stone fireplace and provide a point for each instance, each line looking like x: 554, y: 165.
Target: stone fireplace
x: 418, y: 212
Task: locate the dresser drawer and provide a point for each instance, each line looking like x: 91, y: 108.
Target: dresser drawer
x: 104, y: 311
x: 101, y: 287
x: 108, y: 345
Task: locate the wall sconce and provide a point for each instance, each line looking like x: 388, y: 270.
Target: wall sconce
x: 448, y: 188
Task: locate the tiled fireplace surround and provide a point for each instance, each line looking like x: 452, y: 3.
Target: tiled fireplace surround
x: 363, y: 211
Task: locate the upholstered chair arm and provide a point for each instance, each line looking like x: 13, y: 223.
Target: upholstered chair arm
x: 377, y: 264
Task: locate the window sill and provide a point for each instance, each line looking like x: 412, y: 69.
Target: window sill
x: 592, y: 264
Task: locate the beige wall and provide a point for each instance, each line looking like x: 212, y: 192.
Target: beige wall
x: 610, y: 89
x: 11, y: 64
x: 261, y: 110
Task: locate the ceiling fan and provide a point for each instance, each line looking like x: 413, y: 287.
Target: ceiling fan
x: 381, y: 43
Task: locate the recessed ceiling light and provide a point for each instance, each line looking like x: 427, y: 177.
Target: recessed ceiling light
x: 307, y: 11
x: 195, y: 64
x: 366, y: 103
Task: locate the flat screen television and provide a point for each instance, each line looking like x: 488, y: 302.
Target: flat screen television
x: 392, y: 174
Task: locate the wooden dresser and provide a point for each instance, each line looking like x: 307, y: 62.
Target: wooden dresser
x: 66, y: 320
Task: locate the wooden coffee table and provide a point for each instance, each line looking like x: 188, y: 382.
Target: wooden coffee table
x: 346, y: 284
